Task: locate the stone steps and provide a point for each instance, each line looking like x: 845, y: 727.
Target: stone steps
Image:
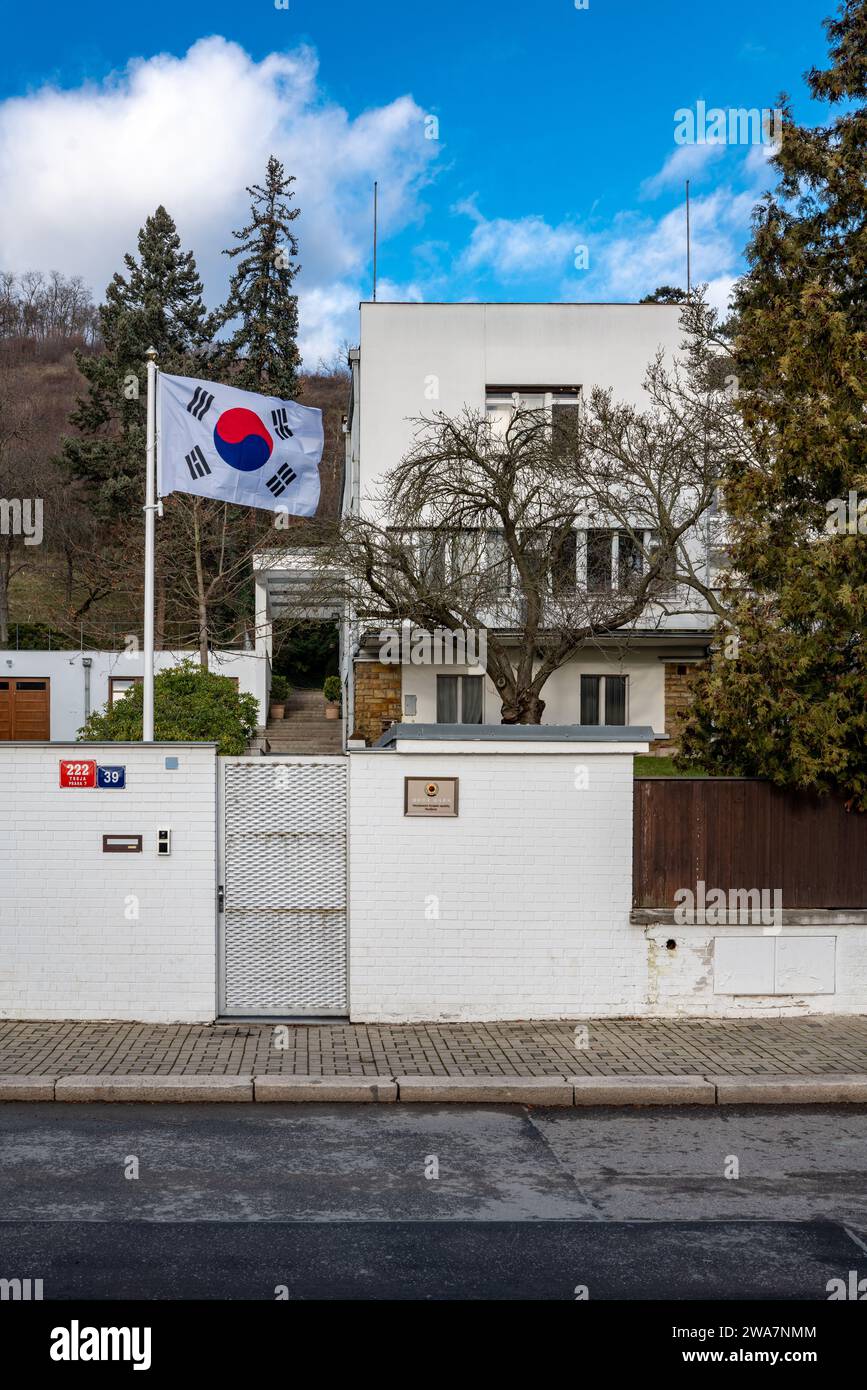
x: 304, y: 736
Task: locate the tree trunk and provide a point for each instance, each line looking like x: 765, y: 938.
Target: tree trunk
x: 160, y: 621
x: 70, y: 576
x: 202, y: 602
x: 4, y: 584
x: 525, y: 707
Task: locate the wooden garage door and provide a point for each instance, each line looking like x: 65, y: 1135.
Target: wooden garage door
x: 25, y: 710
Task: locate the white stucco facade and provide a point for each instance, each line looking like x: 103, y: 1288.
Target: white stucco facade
x: 74, y: 686
x: 645, y: 698
x: 416, y: 359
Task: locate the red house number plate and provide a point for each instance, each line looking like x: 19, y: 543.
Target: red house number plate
x: 77, y: 774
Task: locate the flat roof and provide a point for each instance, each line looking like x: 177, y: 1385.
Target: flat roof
x: 520, y: 303
x: 518, y: 733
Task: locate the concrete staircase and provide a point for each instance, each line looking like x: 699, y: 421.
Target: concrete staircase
x: 305, y: 729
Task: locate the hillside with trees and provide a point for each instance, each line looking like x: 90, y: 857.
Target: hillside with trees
x: 72, y: 403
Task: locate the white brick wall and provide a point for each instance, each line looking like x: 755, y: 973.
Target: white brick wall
x: 815, y: 969
x: 68, y: 949
x: 533, y: 881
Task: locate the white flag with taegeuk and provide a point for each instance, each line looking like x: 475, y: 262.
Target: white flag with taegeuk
x: 236, y: 446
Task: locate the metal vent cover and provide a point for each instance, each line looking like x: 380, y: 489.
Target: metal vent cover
x: 283, y: 929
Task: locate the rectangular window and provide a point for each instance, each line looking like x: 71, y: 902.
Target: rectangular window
x: 562, y: 422
x: 432, y: 558
x: 501, y: 402
x: 589, y: 699
x: 629, y: 560
x: 603, y: 692
x: 119, y: 686
x: 563, y: 562
x: 471, y: 698
x: 615, y: 699
x: 460, y: 699
x: 447, y: 700
x: 666, y: 582
x: 599, y: 561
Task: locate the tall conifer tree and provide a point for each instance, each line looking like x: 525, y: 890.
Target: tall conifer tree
x: 157, y: 302
x: 788, y: 698
x: 261, y: 304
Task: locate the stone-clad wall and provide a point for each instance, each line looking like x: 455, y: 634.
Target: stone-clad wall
x: 377, y: 699
x: 677, y: 701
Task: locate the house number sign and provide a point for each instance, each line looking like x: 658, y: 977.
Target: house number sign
x: 84, y: 773
x: 430, y: 796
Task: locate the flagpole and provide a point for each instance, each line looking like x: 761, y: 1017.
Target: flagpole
x: 150, y: 547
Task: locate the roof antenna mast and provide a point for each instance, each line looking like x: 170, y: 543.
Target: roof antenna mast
x: 375, y: 191
x: 688, y: 266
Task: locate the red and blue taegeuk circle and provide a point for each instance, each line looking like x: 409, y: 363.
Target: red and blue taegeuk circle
x: 242, y: 440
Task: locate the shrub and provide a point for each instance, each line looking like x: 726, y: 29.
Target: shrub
x: 189, y: 705
x: 332, y: 689
x: 279, y: 690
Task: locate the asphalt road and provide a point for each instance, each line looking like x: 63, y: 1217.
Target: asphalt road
x: 308, y: 1201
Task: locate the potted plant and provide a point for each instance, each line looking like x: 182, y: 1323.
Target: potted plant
x: 279, y: 693
x: 332, y: 690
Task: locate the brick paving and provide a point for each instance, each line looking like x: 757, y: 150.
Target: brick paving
x: 798, y: 1046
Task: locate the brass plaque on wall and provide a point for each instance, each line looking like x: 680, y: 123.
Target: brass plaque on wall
x: 430, y: 796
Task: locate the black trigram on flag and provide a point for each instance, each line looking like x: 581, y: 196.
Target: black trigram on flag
x: 200, y: 403
x: 281, y: 480
x: 280, y: 421
x: 197, y: 463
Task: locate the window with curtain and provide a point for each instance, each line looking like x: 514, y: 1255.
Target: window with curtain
x: 603, y: 699
x: 447, y: 700
x: 615, y: 699
x: 590, y: 699
x: 471, y: 697
x: 460, y: 699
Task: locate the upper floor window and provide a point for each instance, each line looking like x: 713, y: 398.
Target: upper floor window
x: 501, y: 402
x: 619, y: 558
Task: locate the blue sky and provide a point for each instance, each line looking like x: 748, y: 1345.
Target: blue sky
x: 555, y: 132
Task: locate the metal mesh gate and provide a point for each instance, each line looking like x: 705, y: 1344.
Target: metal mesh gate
x: 283, y: 941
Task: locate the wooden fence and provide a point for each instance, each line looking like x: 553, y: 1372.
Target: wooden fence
x: 745, y: 833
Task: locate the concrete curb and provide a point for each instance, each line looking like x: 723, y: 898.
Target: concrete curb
x: 325, y: 1088
x: 27, y: 1087
x: 154, y: 1088
x: 497, y: 1090
x: 624, y: 1091
x: 643, y: 1090
x: 785, y: 1089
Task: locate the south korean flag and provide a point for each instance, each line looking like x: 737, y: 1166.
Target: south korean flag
x: 235, y: 446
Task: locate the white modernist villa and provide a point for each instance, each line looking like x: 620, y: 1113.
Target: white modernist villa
x: 415, y: 358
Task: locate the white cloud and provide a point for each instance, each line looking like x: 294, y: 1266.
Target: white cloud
x: 516, y: 247
x: 83, y: 168
x: 643, y: 254
x: 684, y: 162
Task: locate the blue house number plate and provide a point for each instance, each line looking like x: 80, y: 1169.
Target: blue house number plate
x: 111, y: 776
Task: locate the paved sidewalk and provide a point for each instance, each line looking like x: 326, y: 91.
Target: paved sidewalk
x: 612, y: 1047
